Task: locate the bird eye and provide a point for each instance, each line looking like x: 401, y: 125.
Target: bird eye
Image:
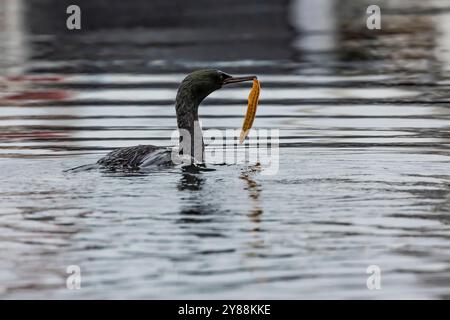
x: 224, y: 76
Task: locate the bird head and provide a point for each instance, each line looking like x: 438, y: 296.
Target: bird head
x: 199, y: 84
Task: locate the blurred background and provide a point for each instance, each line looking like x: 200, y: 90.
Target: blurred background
x: 163, y: 36
x: 364, y: 150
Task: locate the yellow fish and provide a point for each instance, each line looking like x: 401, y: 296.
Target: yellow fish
x: 251, y: 109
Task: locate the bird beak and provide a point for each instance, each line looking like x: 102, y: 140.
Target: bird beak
x: 238, y: 79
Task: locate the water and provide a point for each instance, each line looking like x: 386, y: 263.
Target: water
x: 364, y: 153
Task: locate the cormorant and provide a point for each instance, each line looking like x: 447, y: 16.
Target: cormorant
x: 191, y: 92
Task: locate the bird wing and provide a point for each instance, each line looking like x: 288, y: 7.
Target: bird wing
x: 130, y: 157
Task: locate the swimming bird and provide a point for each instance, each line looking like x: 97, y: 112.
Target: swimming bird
x: 191, y: 92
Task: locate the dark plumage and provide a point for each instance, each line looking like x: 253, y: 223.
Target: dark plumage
x: 191, y: 92
x: 135, y: 157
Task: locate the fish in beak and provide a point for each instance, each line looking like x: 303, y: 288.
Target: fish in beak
x: 253, y: 98
x: 252, y: 101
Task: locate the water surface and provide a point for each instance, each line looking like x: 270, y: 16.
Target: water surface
x: 364, y: 156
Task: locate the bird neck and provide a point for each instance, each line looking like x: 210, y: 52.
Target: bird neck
x: 191, y: 137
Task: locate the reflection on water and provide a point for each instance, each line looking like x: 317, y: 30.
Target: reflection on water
x: 254, y: 190
x: 364, y: 135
